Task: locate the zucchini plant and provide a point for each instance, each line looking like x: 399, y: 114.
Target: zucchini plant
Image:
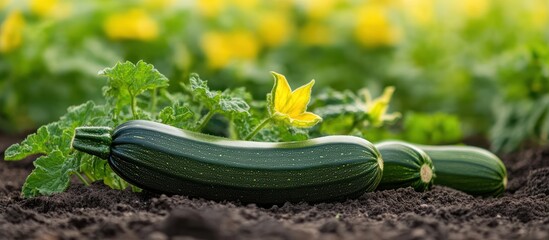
x: 139, y: 91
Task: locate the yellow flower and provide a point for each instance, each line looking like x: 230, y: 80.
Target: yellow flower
x: 420, y: 11
x: 210, y: 8
x: 217, y: 50
x: 377, y: 108
x: 320, y: 9
x: 373, y: 27
x: 539, y: 14
x: 50, y: 8
x: 244, y: 45
x: 11, y: 32
x: 290, y: 106
x: 222, y: 48
x: 274, y: 28
x: 315, y: 34
x: 134, y: 24
x: 159, y: 4
x: 246, y: 5
x: 474, y: 8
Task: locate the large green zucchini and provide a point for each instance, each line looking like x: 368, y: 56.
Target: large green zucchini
x: 469, y: 169
x: 165, y: 159
x: 405, y: 166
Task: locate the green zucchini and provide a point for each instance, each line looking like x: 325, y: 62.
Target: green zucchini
x: 165, y: 159
x: 405, y: 166
x: 472, y: 170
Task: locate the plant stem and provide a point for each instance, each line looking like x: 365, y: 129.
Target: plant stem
x: 233, y: 134
x: 81, y: 178
x: 136, y: 189
x: 204, y: 121
x: 153, y: 101
x: 134, y: 106
x: 356, y: 123
x: 260, y: 126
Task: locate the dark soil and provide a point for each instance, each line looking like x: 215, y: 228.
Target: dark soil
x: 97, y: 212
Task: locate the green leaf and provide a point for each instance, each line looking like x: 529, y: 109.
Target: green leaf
x: 127, y: 80
x: 177, y: 116
x: 50, y: 175
x: 35, y: 143
x: 435, y: 128
x: 227, y: 103
x: 114, y: 181
x: 97, y: 169
x: 58, y: 135
x: 282, y: 133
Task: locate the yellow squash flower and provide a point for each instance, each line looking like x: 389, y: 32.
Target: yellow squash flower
x: 274, y: 28
x: 377, y: 108
x: 421, y: 12
x: 135, y: 24
x: 210, y: 8
x: 474, y: 8
x: 50, y: 8
x: 374, y: 28
x: 290, y: 106
x: 316, y: 34
x: 11, y: 32
x: 222, y: 48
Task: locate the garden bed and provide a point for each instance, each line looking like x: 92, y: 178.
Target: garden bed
x: 98, y: 212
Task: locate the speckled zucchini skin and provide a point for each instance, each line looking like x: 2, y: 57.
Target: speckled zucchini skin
x: 405, y: 166
x: 469, y: 169
x: 165, y: 159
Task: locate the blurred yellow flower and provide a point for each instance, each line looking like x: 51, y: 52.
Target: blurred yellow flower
x: 291, y: 106
x: 50, y: 8
x: 377, y: 108
x: 222, y: 48
x: 244, y: 45
x: 320, y: 9
x: 210, y: 8
x: 373, y: 27
x: 274, y: 28
x: 11, y: 32
x: 244, y: 4
x: 216, y: 47
x: 315, y: 34
x: 4, y: 3
x: 474, y: 8
x: 419, y: 11
x: 539, y: 14
x: 134, y: 24
x: 158, y: 4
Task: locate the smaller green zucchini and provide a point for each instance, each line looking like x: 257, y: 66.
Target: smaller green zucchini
x: 405, y: 166
x: 472, y: 170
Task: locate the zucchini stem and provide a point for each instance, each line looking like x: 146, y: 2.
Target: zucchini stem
x: 204, y: 121
x: 134, y: 106
x: 93, y: 140
x: 260, y: 126
x: 82, y: 179
x: 153, y: 100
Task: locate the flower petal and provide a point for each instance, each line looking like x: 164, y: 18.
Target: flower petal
x: 281, y: 92
x: 378, y: 107
x: 305, y: 120
x: 299, y: 100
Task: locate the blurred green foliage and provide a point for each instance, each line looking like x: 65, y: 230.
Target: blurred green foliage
x: 471, y: 61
